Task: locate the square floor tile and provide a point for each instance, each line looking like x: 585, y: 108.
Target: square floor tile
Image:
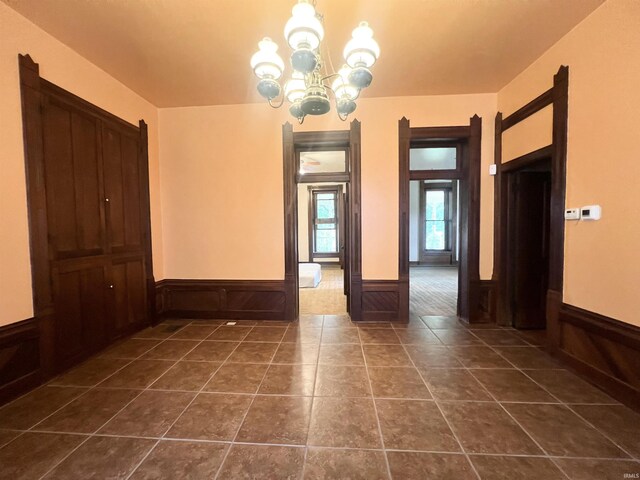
x: 454, y: 384
x: 129, y: 349
x: 397, y: 382
x: 418, y: 336
x: 289, y: 380
x: 273, y: 419
x: 334, y: 464
x: 237, y: 378
x: 487, y: 428
x: 441, y: 323
x: 211, y: 416
x: 342, y: 381
x: 194, y: 332
x: 618, y: 422
x: 432, y: 356
x: 91, y: 372
x: 7, y: 435
x: 149, y: 415
x: 340, y: 335
x: 209, y: 351
x: 171, y: 460
x: 232, y: 333
x: 386, y: 356
x: 103, y: 457
x: 302, y: 335
x: 378, y: 335
x: 479, y: 357
x: 589, y: 469
x: 159, y: 332
x: 344, y: 422
x: 507, y: 468
x: 511, y: 386
x: 258, y: 462
x: 266, y: 334
x: 346, y: 354
x: 527, y: 357
x: 561, y: 432
x: 533, y: 337
x: 414, y: 425
x: 248, y: 352
x: 171, y: 350
x: 568, y: 387
x: 186, y: 375
x: 138, y: 374
x: 306, y: 321
x: 421, y: 466
x: 331, y: 321
x: 88, y: 413
x: 34, y: 454
x: 457, y: 337
x: 297, y: 353
x: 500, y: 337
x: 33, y: 407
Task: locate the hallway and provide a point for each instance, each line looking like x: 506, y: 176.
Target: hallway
x: 322, y: 398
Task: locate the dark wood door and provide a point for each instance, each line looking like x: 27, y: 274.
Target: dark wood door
x: 95, y: 189
x: 530, y: 194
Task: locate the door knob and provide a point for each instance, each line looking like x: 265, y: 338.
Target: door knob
x: 110, y: 286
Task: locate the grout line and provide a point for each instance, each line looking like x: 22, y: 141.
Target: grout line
x: 464, y: 452
x: 264, y: 375
x: 375, y: 409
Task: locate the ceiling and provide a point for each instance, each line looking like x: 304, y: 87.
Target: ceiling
x: 196, y: 52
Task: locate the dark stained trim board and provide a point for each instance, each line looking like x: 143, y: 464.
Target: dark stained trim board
x: 223, y: 299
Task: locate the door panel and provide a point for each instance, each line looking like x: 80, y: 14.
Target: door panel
x: 129, y: 287
x: 122, y: 188
x: 72, y: 182
x: 81, y: 301
x: 531, y: 193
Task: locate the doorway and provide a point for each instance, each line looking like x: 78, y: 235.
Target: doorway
x: 434, y: 240
x: 528, y: 213
x: 441, y: 165
x: 323, y: 260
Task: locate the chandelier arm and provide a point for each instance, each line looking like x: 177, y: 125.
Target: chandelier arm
x: 278, y: 105
x: 330, y: 76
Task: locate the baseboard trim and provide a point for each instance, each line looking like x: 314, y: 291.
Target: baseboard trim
x: 603, y: 350
x: 482, y: 301
x: 380, y: 300
x: 20, y: 365
x: 224, y: 299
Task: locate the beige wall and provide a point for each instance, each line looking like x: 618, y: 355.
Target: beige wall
x: 221, y: 170
x: 66, y: 68
x: 602, y: 260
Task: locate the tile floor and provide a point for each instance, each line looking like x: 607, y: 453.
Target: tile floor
x: 320, y: 399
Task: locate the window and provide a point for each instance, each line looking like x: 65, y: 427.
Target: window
x: 436, y: 220
x: 433, y: 158
x: 325, y: 222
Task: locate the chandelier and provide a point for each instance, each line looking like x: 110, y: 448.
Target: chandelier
x: 308, y: 88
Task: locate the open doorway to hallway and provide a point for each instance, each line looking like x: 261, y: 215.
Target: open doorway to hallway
x: 434, y: 240
x: 321, y: 236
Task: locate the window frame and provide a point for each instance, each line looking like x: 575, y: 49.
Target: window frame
x: 337, y: 177
x: 313, y: 190
x: 447, y: 255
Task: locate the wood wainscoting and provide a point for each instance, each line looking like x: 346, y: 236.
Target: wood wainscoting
x: 224, y: 299
x: 603, y: 350
x: 380, y: 300
x: 19, y: 358
x: 482, y: 301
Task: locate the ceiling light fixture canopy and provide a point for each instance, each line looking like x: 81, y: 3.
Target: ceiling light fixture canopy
x: 308, y: 88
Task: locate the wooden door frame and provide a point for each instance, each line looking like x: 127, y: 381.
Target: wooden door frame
x: 291, y: 142
x: 468, y: 172
x: 33, y: 89
x: 558, y: 97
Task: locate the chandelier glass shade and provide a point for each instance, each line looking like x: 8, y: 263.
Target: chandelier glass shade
x: 310, y: 85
